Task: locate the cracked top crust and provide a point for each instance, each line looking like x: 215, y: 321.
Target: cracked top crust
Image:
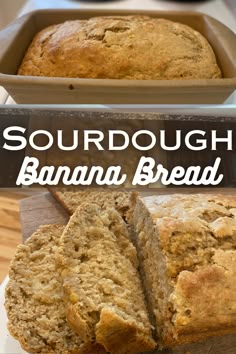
x: 197, y: 237
x: 128, y: 47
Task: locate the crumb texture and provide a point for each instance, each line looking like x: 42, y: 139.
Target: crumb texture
x: 102, y: 287
x: 34, y: 298
x: 187, y: 248
x: 121, y: 47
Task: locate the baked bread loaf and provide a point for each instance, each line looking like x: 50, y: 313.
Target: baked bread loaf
x: 34, y: 299
x: 103, y: 294
x: 71, y: 199
x: 187, y: 251
x: 121, y: 47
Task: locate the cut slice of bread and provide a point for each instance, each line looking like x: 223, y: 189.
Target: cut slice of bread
x: 34, y: 298
x: 71, y: 199
x: 103, y: 293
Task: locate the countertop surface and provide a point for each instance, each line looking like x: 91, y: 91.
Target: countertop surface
x: 10, y: 227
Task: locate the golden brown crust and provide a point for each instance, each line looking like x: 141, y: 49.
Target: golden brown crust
x: 76, y: 322
x: 206, y: 298
x: 121, y: 47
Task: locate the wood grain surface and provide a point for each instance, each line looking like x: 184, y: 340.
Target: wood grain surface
x: 10, y: 229
x: 40, y: 210
x: 10, y: 226
x: 43, y: 209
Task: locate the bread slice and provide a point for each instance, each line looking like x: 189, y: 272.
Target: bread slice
x: 70, y: 199
x: 98, y: 263
x: 187, y: 251
x: 34, y: 298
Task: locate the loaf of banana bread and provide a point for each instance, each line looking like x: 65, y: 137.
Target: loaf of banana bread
x: 121, y: 47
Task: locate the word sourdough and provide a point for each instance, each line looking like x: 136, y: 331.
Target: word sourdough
x: 115, y: 140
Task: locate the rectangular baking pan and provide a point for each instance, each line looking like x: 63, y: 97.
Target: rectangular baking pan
x: 15, y: 39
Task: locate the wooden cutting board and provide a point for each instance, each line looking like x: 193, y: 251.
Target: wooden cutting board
x: 44, y: 209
